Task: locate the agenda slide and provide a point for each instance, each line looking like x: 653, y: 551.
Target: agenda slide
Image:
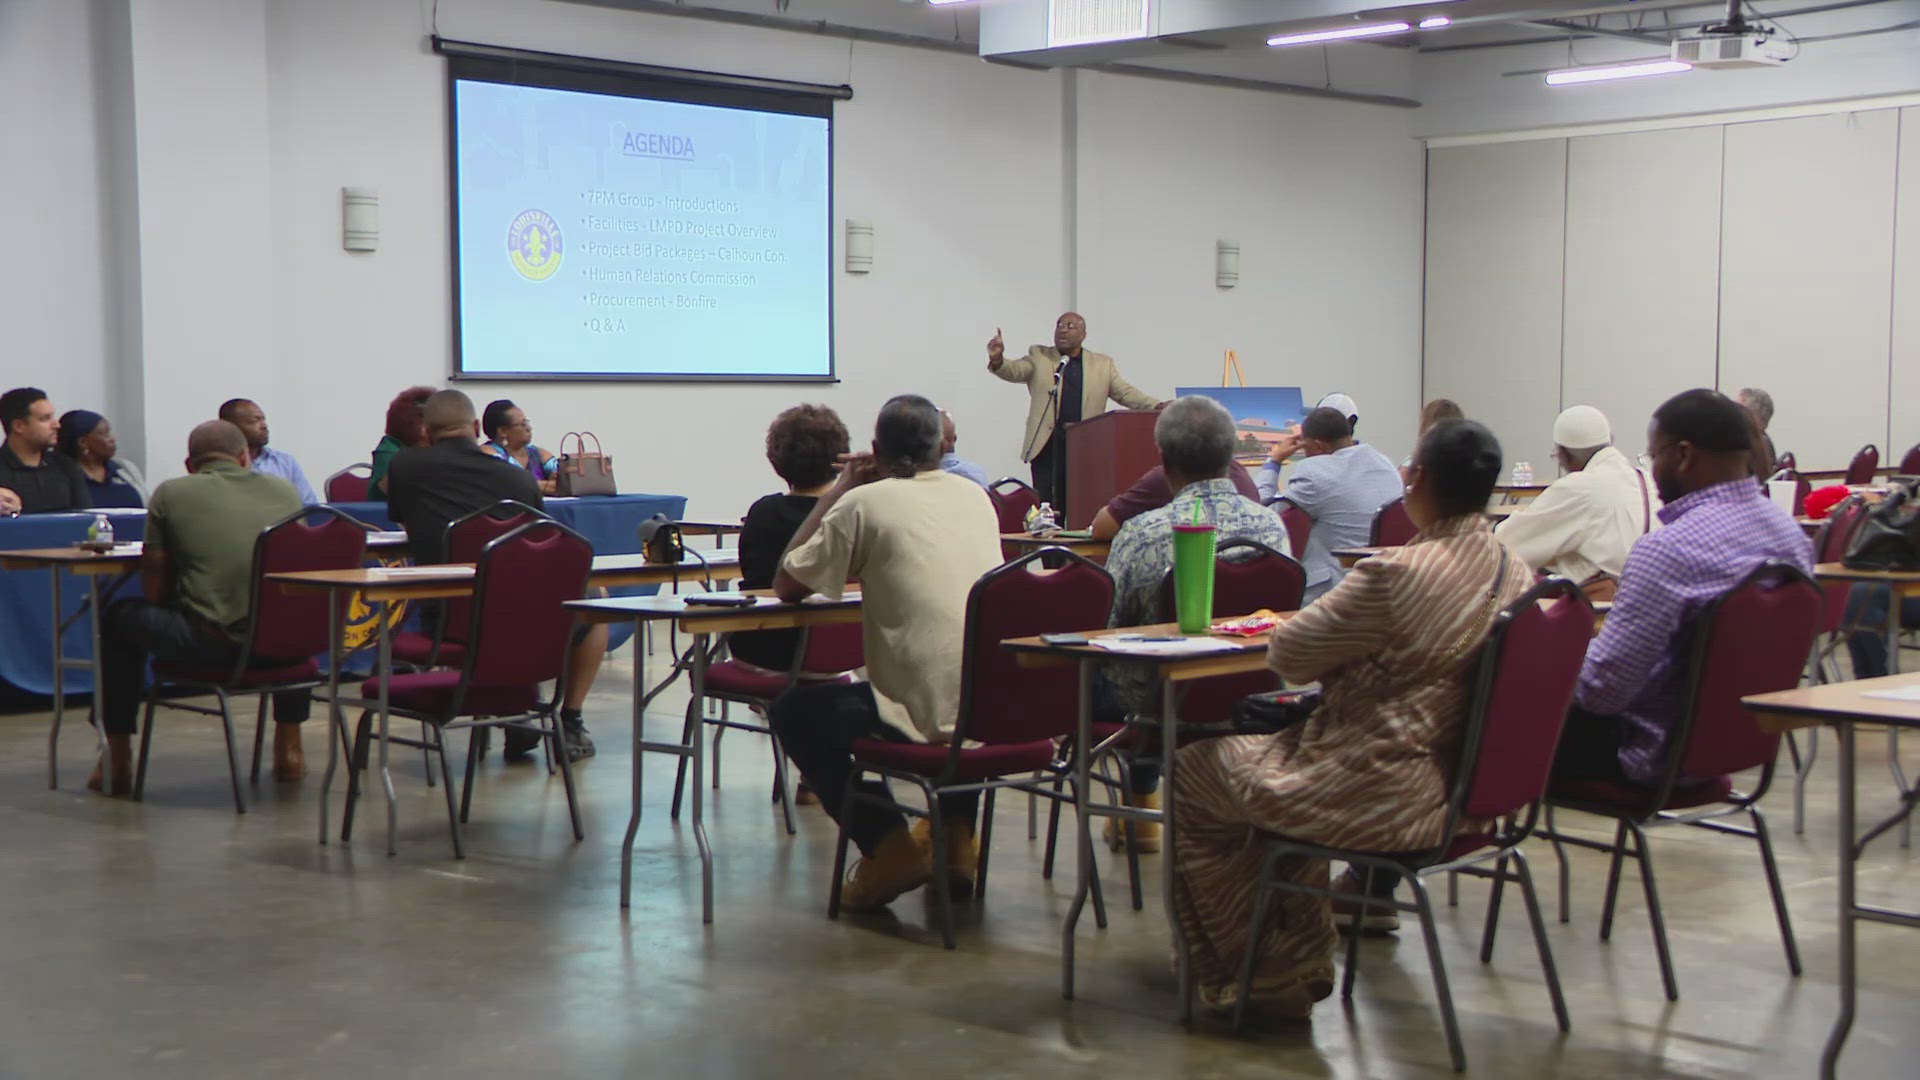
x: 608, y: 236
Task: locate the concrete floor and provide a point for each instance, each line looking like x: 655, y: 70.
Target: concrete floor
x: 175, y: 939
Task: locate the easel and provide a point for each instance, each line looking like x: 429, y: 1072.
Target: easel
x: 1230, y: 368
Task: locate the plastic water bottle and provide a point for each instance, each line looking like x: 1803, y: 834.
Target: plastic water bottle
x: 1519, y: 473
x: 1524, y: 471
x: 1041, y: 518
x: 101, y: 531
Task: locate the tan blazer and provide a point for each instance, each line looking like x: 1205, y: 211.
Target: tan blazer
x: 1099, y: 381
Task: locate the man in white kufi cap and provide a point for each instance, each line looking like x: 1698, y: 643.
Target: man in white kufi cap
x: 1583, y: 524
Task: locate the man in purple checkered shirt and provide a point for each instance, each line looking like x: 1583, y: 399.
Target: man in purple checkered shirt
x: 1719, y: 526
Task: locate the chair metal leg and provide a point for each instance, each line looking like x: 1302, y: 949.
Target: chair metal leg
x: 781, y: 791
x: 942, y: 896
x: 1560, y: 857
x: 474, y: 735
x: 1033, y: 811
x: 1532, y: 900
x: 233, y: 752
x: 1773, y: 886
x: 1262, y: 899
x: 1453, y: 889
x: 986, y: 845
x: 1493, y: 906
x: 1899, y: 774
x: 426, y: 756
x: 1439, y: 969
x: 1129, y: 834
x: 1654, y: 913
x: 840, y: 844
x: 259, y: 731
x: 1053, y: 828
x: 146, y: 744
x: 1352, y: 966
x: 454, y: 814
x: 688, y: 733
x: 1613, y: 879
x: 356, y: 764
x: 565, y: 760
x: 713, y: 782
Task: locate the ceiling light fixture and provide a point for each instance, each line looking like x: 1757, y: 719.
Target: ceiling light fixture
x: 1435, y: 22
x: 1345, y: 32
x: 1632, y: 69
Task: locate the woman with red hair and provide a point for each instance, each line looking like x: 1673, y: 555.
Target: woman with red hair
x: 404, y: 429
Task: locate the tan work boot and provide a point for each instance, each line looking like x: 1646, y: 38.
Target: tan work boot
x: 963, y: 853
x: 1145, y: 834
x: 898, y: 865
x: 118, y: 762
x: 289, y: 757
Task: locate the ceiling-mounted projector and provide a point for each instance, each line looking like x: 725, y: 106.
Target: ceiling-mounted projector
x: 1749, y: 49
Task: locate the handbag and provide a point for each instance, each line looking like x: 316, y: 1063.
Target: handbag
x: 1264, y: 714
x: 580, y: 472
x: 1889, y: 537
x: 661, y: 540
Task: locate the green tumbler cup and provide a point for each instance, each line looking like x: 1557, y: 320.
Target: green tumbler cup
x: 1193, y: 577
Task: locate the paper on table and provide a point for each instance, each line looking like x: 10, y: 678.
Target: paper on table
x: 422, y: 571
x: 1898, y: 693
x: 1185, y: 646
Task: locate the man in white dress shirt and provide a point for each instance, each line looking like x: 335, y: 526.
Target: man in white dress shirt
x: 1583, y: 524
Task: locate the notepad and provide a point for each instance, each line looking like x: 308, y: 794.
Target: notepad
x: 1186, y: 646
x: 1898, y: 693
x: 423, y: 571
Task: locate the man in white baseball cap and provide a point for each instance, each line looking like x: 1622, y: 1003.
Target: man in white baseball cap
x: 1583, y: 523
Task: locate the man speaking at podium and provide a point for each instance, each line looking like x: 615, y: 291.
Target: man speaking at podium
x: 1065, y: 384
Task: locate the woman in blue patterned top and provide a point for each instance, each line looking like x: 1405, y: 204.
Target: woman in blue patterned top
x: 510, y: 436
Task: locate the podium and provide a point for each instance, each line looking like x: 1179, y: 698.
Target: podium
x: 1105, y: 455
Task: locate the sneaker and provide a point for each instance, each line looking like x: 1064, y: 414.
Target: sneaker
x: 963, y: 854
x: 519, y: 743
x: 897, y: 866
x: 579, y: 743
x: 1373, y: 920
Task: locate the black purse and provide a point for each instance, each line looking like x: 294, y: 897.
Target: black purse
x: 1264, y: 714
x: 1889, y: 537
x: 660, y: 539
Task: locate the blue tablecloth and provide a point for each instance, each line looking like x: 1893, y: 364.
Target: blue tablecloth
x: 26, y: 600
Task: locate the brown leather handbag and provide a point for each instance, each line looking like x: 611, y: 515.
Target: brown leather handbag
x: 580, y: 472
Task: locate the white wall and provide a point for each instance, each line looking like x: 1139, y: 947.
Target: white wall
x: 1324, y: 201
x: 249, y: 115
x: 1496, y: 220
x: 54, y: 284
x: 1739, y: 254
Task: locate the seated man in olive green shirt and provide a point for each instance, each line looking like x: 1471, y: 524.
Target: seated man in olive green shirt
x: 198, y: 569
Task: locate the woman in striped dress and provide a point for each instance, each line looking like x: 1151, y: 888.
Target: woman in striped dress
x: 1391, y: 646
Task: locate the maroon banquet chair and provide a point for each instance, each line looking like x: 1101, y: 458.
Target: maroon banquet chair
x: 1754, y: 639
x: 1785, y: 461
x: 1299, y: 525
x: 285, y: 631
x: 1009, y: 715
x: 1391, y: 526
x: 826, y: 653
x: 1248, y: 575
x: 1864, y: 465
x: 466, y: 538
x: 1829, y: 545
x: 1910, y: 464
x: 1523, y: 682
x: 1011, y: 500
x: 519, y: 635
x: 349, y: 484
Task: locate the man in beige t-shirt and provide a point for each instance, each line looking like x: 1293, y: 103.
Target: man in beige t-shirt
x: 916, y: 538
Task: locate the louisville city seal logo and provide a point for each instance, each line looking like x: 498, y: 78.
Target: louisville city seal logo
x: 533, y: 243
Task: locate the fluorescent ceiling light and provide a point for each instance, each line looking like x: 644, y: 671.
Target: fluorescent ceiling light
x: 1632, y: 69
x: 943, y: 3
x: 1370, y: 30
x: 1435, y: 22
